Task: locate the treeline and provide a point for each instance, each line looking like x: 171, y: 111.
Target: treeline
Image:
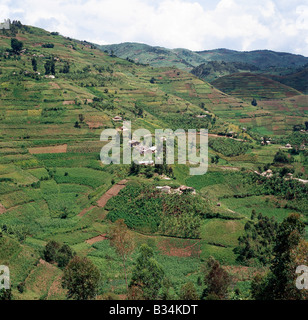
x: 288, y: 189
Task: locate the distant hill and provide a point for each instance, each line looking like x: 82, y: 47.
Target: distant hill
x: 214, y: 69
x: 154, y: 56
x: 249, y: 85
x: 187, y: 59
x: 297, y: 80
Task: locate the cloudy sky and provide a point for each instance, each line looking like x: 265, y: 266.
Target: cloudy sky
x: 280, y: 25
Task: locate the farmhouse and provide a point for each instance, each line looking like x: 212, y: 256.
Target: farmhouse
x: 186, y: 189
x: 288, y: 146
x: 268, y: 173
x: 141, y: 148
x: 166, y: 189
x: 180, y: 190
x: 146, y: 162
x: 133, y: 143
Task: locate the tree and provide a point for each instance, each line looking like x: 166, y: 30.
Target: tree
x: 147, y: 276
x: 65, y: 254
x: 81, y: 278
x: 66, y: 68
x: 258, y: 240
x: 290, y: 251
x: 51, y: 250
x: 254, y: 102
x: 81, y: 117
x: 122, y: 241
x: 188, y: 292
x: 16, y: 45
x: 216, y: 280
x: 6, y: 294
x: 54, y: 252
x: 50, y: 67
x: 134, y: 168
x: 34, y: 64
x: 281, y: 157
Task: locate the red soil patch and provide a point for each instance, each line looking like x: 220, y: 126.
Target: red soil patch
x: 113, y: 191
x: 94, y: 125
x: 68, y: 102
x: 246, y: 120
x: 182, y: 249
x: 241, y: 273
x: 20, y: 38
x: 2, y: 209
x: 84, y: 211
x: 52, y: 149
x: 56, y: 289
x: 101, y: 237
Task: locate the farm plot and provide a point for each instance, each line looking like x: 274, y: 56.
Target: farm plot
x: 50, y: 149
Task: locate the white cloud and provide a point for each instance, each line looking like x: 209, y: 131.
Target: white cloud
x: 192, y: 24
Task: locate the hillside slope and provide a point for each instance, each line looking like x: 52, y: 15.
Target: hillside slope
x: 297, y: 80
x: 248, y: 85
x: 214, y: 69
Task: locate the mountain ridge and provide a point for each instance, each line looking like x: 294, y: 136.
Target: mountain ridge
x: 160, y: 56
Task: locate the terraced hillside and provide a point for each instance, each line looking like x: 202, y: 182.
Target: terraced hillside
x: 56, y: 96
x: 214, y: 69
x: 297, y: 80
x: 246, y: 85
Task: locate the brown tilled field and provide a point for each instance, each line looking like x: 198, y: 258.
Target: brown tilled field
x: 53, y: 149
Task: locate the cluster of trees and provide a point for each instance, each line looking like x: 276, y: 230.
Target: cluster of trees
x: 16, y: 45
x: 215, y: 159
x: 290, y: 251
x: 278, y: 186
x: 50, y: 67
x: 258, y: 240
x: 48, y: 45
x: 298, y: 127
x: 15, y: 26
x: 54, y: 252
x: 282, y: 157
x: 228, y: 147
x: 160, y: 169
x: 81, y: 278
x: 146, y: 209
